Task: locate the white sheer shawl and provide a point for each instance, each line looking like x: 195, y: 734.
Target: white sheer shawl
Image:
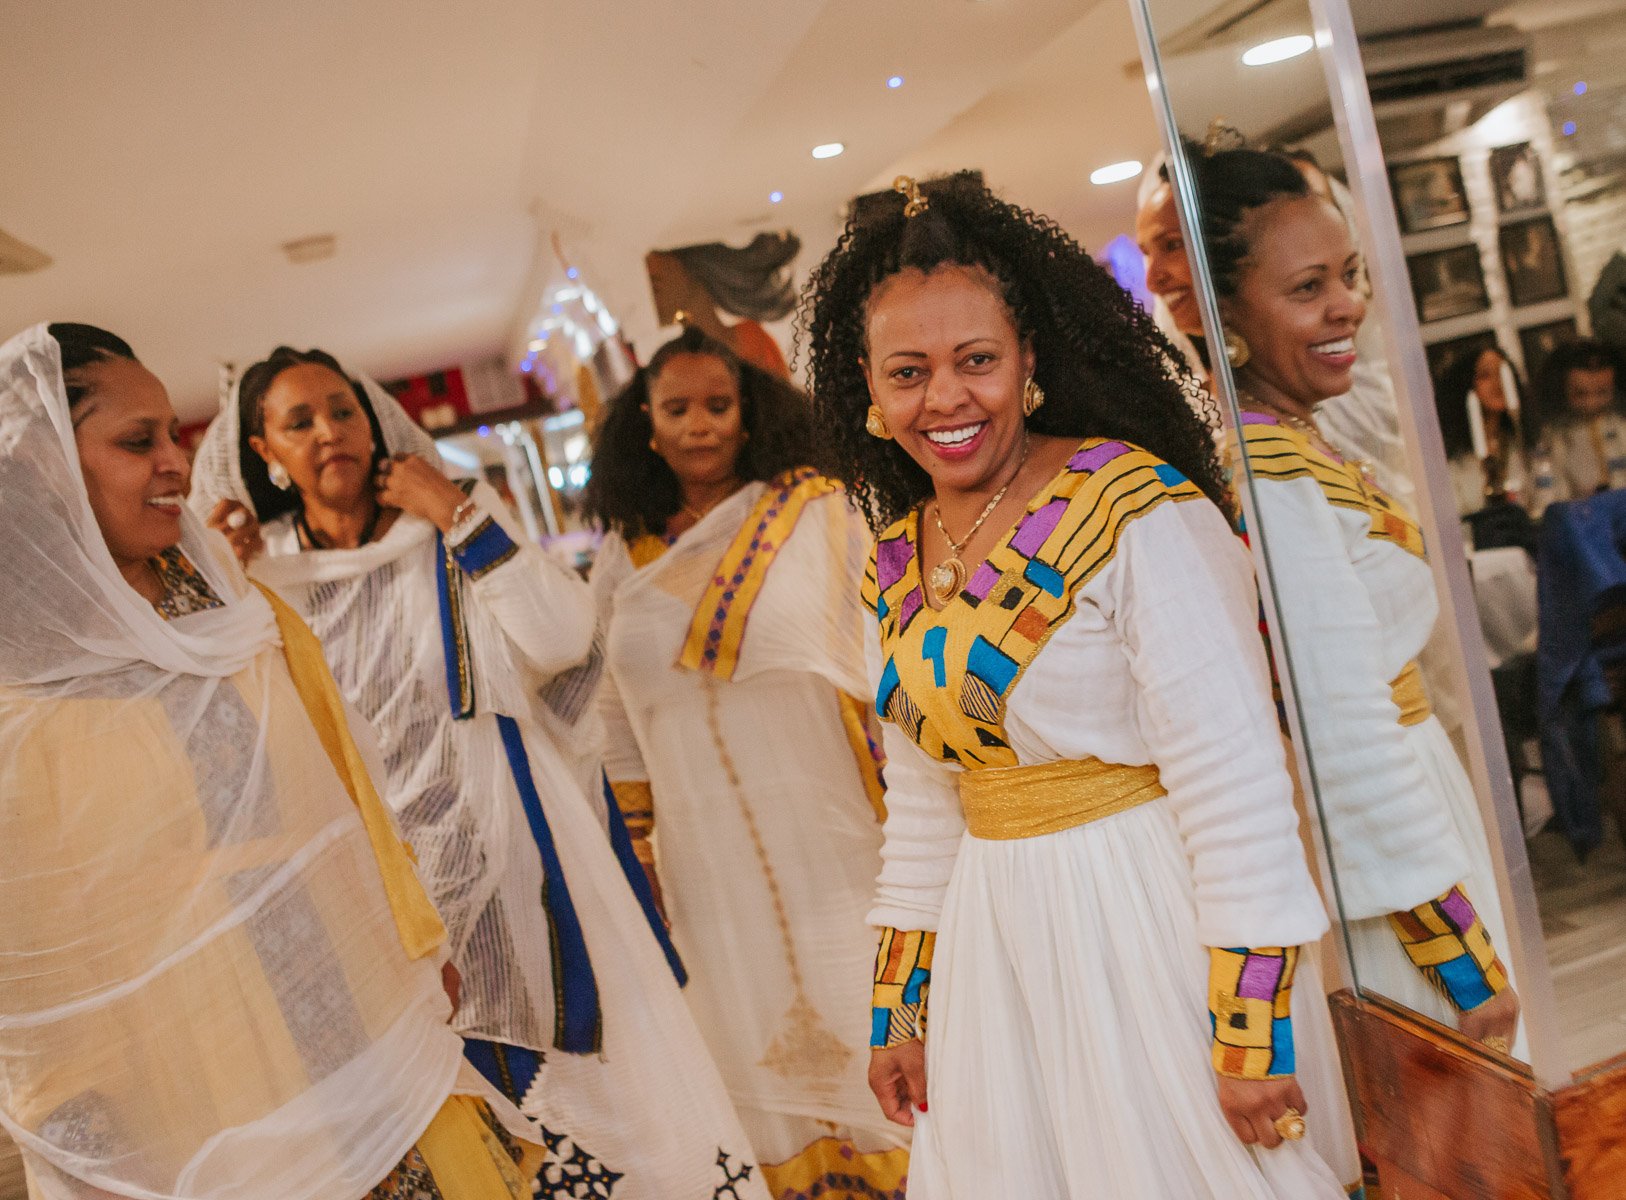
x: 203, y: 991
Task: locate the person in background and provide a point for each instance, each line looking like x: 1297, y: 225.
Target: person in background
x: 1093, y: 896
x: 219, y: 973
x: 1356, y: 599
x: 728, y: 589
x: 473, y: 656
x: 1480, y: 401
x: 1583, y: 419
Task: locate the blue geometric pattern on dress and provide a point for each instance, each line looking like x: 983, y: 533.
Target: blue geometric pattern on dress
x: 991, y: 665
x: 1283, y: 1056
x: 1465, y: 982
x: 931, y: 649
x: 1168, y: 475
x: 889, y: 684
x: 1045, y: 576
x: 918, y: 978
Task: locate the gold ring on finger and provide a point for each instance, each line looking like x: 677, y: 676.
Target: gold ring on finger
x: 1290, y: 1125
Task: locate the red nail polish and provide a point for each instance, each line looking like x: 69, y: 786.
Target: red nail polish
x: 922, y: 1106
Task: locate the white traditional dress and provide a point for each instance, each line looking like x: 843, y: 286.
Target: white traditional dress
x: 1089, y: 813
x: 1357, y: 602
x: 219, y: 974
x: 472, y: 656
x: 734, y: 657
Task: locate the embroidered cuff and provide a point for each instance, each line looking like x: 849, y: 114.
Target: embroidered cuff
x: 1448, y: 943
x: 483, y: 548
x: 903, y: 976
x: 1249, y: 998
x: 636, y: 801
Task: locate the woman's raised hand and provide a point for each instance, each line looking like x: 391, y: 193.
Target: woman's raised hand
x: 241, y: 528
x: 897, y: 1076
x: 412, y: 485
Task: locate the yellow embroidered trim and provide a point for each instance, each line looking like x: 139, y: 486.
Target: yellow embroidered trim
x: 1249, y: 998
x: 903, y: 974
x: 834, y: 1169
x: 947, y: 675
x: 1410, y: 697
x: 866, y: 753
x: 1277, y: 452
x: 718, y: 627
x: 1448, y: 942
x: 1004, y: 803
x: 636, y: 800
x: 646, y: 549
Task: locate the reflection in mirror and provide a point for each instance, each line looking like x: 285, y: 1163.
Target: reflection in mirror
x: 1334, y: 513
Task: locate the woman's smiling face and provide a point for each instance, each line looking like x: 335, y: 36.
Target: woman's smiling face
x: 946, y: 366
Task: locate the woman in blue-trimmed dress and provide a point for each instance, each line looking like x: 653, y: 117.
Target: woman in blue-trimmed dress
x: 472, y: 655
x: 1091, y: 861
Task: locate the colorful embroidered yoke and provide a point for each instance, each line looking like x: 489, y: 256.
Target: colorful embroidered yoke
x: 1277, y: 451
x: 718, y: 629
x: 947, y: 675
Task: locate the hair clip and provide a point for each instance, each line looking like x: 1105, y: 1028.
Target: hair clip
x: 1222, y: 136
x: 915, y: 204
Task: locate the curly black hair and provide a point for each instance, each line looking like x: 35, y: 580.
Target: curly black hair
x: 270, y: 501
x: 1550, y: 384
x: 633, y: 491
x: 1105, y: 368
x: 1230, y: 185
x: 1452, y: 396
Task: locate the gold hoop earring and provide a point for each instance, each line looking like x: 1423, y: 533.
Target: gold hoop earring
x: 875, y: 424
x: 1237, y: 350
x: 1032, y: 397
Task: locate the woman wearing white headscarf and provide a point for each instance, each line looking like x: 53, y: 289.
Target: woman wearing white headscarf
x: 472, y: 655
x: 219, y: 974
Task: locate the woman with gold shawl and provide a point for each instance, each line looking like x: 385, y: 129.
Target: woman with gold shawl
x: 219, y: 974
x: 728, y: 590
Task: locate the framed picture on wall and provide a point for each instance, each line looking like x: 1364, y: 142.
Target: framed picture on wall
x: 1444, y: 356
x: 1448, y: 283
x: 1532, y: 261
x: 1538, y: 341
x: 1516, y: 177
x: 1429, y: 194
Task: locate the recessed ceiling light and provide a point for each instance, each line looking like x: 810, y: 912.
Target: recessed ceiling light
x: 1580, y: 87
x: 775, y: 197
x: 895, y: 82
x: 828, y: 150
x: 1569, y: 128
x: 1279, y: 50
x: 1116, y: 172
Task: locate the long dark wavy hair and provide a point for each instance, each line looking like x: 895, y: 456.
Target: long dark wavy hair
x: 633, y: 492
x: 1452, y: 400
x: 270, y: 501
x: 1105, y: 368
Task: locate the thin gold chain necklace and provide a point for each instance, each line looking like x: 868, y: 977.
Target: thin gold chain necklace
x: 949, y: 576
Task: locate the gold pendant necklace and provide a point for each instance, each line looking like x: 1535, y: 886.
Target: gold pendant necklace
x: 949, y: 576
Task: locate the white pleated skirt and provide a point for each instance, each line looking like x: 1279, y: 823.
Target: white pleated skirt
x: 1380, y: 961
x: 1069, y: 1048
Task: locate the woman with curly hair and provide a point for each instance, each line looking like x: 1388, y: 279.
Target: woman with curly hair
x: 1356, y: 596
x: 728, y: 591
x: 1091, y: 856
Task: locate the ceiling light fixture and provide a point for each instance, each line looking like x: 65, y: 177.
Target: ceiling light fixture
x: 775, y: 197
x: 895, y: 82
x: 828, y: 150
x: 1279, y: 50
x: 1116, y: 172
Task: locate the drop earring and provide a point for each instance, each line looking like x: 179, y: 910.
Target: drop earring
x: 875, y: 424
x: 1237, y: 350
x: 279, y: 476
x: 1032, y: 397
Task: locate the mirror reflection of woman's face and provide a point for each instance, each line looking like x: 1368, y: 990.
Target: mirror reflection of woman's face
x: 1168, y: 271
x: 1588, y: 393
x: 694, y: 409
x: 129, y: 450
x: 318, y: 431
x: 1488, y: 382
x: 1299, y: 300
x: 946, y: 367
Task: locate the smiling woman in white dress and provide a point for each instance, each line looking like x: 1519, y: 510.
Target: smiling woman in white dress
x: 1092, y: 868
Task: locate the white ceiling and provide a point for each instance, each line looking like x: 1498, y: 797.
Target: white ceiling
x: 161, y: 152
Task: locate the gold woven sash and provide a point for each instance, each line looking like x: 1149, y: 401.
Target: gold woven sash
x: 1409, y: 696
x: 1002, y: 803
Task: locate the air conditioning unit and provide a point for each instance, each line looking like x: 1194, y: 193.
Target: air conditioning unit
x: 1425, y: 85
